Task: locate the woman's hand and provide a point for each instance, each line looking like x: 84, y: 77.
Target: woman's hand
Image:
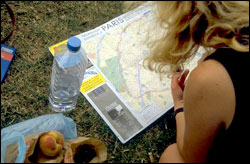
x: 177, y: 88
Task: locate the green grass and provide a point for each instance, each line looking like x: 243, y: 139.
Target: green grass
x: 24, y: 94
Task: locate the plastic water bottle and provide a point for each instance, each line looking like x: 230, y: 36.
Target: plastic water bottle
x: 68, y: 70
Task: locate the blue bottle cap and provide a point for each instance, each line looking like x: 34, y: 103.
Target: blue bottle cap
x: 74, y: 44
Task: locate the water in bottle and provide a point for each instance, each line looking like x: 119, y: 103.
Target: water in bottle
x: 68, y: 70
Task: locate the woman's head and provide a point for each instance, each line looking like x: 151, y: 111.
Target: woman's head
x: 190, y: 24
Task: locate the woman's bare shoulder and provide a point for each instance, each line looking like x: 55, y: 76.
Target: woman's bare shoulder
x: 205, y: 76
x: 209, y: 87
x: 209, y: 73
x: 208, y: 104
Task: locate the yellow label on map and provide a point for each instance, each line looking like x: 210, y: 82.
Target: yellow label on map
x: 92, y: 83
x: 52, y: 48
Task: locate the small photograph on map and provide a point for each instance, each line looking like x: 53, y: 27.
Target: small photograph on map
x: 113, y: 114
x: 115, y: 111
x: 98, y: 91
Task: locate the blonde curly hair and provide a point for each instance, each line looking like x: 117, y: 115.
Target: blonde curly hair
x: 191, y: 24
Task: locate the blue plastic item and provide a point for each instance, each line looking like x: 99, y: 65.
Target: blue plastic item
x: 14, y: 137
x: 16, y: 133
x: 7, y: 56
x: 74, y: 44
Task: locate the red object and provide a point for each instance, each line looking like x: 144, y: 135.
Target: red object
x: 6, y: 56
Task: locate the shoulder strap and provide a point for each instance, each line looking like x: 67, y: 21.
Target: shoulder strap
x: 13, y: 22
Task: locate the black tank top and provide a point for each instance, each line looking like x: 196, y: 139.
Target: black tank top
x: 232, y: 144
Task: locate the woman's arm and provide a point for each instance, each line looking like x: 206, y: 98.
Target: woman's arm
x: 177, y: 88
x: 208, y: 98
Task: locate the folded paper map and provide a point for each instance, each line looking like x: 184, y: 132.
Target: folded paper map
x: 126, y: 95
